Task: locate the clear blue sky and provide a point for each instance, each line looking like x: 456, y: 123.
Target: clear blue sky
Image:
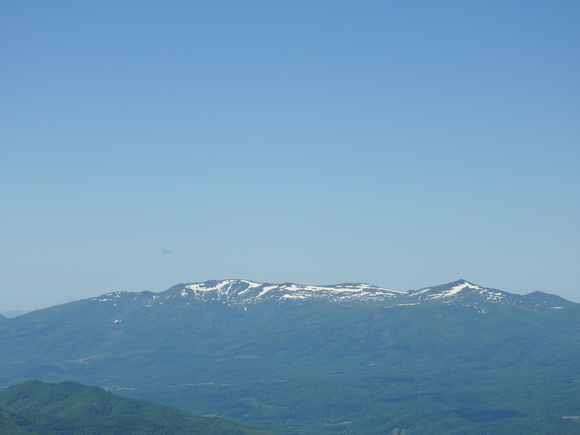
x: 399, y: 143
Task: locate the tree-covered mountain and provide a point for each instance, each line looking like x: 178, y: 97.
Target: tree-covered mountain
x: 36, y: 408
x: 355, y: 358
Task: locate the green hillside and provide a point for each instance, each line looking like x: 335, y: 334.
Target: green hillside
x: 37, y: 408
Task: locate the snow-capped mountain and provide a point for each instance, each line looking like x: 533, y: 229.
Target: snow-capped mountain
x: 245, y: 292
x: 258, y: 350
x: 466, y: 293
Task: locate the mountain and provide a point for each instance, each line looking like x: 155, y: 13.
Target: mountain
x: 245, y: 293
x: 37, y: 408
x: 549, y: 300
x: 298, y: 359
x: 9, y: 314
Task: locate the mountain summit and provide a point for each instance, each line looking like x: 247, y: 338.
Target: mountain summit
x: 245, y: 293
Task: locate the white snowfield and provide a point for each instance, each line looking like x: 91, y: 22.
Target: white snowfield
x: 452, y: 291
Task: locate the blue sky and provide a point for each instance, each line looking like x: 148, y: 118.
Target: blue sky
x: 399, y: 143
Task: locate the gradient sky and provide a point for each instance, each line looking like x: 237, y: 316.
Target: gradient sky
x: 399, y: 143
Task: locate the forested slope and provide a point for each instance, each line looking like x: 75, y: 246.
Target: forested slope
x: 36, y: 408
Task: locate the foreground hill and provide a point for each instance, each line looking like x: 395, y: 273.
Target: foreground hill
x: 354, y: 358
x: 36, y: 408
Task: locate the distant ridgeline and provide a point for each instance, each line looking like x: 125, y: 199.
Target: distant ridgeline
x: 36, y: 408
x: 243, y: 292
x: 352, y: 358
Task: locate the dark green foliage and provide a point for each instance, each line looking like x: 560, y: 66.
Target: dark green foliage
x: 318, y: 367
x: 71, y: 408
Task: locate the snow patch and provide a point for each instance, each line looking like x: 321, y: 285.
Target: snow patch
x: 454, y: 290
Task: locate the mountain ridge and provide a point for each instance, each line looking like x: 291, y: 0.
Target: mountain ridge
x: 245, y: 292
